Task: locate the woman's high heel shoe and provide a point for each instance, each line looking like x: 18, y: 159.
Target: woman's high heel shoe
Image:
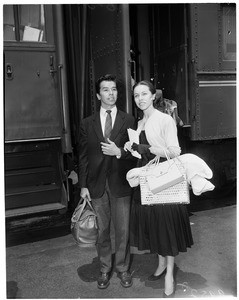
x: 172, y: 294
x: 169, y: 296
x: 156, y: 277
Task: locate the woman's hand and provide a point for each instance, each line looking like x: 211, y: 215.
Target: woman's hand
x: 127, y: 146
x: 141, y: 148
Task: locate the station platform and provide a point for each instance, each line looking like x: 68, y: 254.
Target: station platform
x: 47, y: 263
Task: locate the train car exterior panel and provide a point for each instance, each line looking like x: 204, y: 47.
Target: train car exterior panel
x: 205, y: 36
x: 212, y: 71
x: 32, y: 111
x: 227, y: 37
x: 217, y: 118
x: 213, y: 31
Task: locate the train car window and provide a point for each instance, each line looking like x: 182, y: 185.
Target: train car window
x: 24, y: 23
x: 32, y: 23
x: 8, y: 23
x: 229, y: 31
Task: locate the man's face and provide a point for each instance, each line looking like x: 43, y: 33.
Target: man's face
x: 108, y: 94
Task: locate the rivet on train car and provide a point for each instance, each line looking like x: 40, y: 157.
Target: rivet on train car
x: 38, y: 73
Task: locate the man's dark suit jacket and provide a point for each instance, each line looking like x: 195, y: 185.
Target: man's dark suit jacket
x: 94, y: 166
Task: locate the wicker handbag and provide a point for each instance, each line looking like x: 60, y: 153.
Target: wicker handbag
x: 164, y: 183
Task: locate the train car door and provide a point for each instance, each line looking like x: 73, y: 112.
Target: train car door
x: 34, y: 112
x: 31, y: 97
x: 170, y: 54
x: 110, y: 48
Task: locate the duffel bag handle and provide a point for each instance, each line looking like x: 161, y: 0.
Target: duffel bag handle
x: 90, y: 205
x: 80, y: 207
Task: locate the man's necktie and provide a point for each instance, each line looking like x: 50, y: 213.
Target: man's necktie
x: 108, y: 125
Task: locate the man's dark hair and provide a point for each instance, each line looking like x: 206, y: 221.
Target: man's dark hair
x: 107, y: 77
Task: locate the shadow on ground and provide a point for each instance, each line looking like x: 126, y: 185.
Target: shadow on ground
x: 12, y: 289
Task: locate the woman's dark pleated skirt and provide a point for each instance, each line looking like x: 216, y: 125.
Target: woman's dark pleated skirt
x: 163, y: 229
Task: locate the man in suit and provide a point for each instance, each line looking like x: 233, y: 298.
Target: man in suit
x: 103, y: 165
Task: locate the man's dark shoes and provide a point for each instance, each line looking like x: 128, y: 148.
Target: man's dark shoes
x: 103, y: 280
x: 125, y: 279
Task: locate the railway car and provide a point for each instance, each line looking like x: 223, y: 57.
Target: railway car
x: 54, y: 53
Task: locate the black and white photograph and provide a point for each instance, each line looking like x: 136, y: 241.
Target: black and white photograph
x: 119, y: 150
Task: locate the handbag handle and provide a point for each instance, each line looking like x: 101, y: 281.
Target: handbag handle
x: 156, y: 159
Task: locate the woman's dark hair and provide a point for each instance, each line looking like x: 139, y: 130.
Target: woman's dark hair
x: 148, y: 84
x: 107, y: 77
x: 158, y: 99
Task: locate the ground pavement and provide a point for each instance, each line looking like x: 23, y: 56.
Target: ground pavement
x: 49, y: 264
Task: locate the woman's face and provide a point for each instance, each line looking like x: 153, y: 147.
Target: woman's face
x: 143, y: 97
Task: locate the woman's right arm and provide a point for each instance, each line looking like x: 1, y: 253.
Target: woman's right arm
x: 171, y: 148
